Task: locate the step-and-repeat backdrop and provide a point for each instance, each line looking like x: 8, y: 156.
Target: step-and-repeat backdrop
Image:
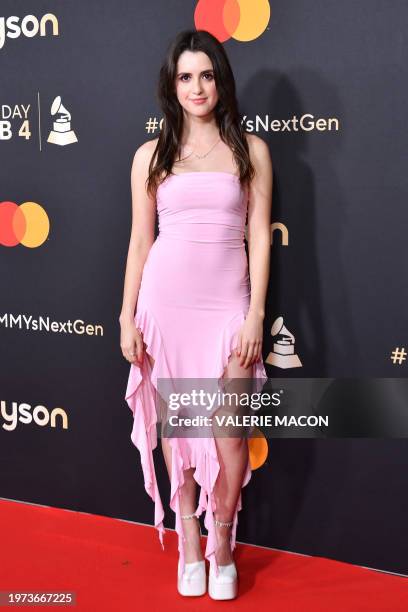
x: 323, y: 84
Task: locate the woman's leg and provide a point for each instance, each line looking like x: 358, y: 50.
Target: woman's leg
x: 188, y: 503
x: 233, y: 459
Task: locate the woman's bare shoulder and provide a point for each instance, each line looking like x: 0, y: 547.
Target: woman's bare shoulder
x: 258, y: 148
x: 259, y: 154
x: 146, y: 149
x: 256, y: 143
x: 142, y: 157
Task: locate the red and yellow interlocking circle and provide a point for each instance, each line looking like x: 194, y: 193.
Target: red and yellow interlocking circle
x: 258, y: 449
x: 242, y: 20
x: 27, y: 224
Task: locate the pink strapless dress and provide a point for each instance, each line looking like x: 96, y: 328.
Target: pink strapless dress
x: 193, y: 299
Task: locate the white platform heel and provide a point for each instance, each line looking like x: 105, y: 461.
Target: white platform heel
x: 225, y: 585
x: 193, y: 581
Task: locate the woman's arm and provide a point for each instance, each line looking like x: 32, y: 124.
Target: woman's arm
x: 259, y: 223
x: 142, y: 233
x: 259, y: 244
x: 141, y: 240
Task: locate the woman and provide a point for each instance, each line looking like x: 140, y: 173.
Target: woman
x: 196, y: 316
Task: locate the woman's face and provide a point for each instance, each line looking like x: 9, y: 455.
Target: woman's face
x: 195, y: 81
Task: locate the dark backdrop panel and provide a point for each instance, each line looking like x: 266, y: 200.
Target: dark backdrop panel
x: 339, y: 283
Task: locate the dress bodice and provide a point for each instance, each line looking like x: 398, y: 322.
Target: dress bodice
x: 202, y: 206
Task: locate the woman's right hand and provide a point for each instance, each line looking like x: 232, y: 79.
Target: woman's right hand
x: 131, y: 342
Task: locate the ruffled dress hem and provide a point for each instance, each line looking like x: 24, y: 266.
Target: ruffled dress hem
x: 140, y: 396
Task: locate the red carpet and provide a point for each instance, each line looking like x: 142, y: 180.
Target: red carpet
x: 118, y: 566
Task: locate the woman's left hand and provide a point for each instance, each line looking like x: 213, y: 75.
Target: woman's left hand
x: 250, y: 339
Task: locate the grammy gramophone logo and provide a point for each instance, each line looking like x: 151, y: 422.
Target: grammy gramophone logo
x: 283, y: 354
x: 61, y: 134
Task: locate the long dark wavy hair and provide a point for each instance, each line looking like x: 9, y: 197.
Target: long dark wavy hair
x: 168, y: 147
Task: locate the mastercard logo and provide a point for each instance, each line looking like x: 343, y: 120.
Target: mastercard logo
x: 242, y: 20
x: 27, y: 224
x: 258, y: 449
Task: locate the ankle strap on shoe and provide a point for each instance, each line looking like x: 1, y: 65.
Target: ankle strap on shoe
x: 223, y: 524
x: 189, y: 516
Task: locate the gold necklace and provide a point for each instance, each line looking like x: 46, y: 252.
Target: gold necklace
x: 205, y: 154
